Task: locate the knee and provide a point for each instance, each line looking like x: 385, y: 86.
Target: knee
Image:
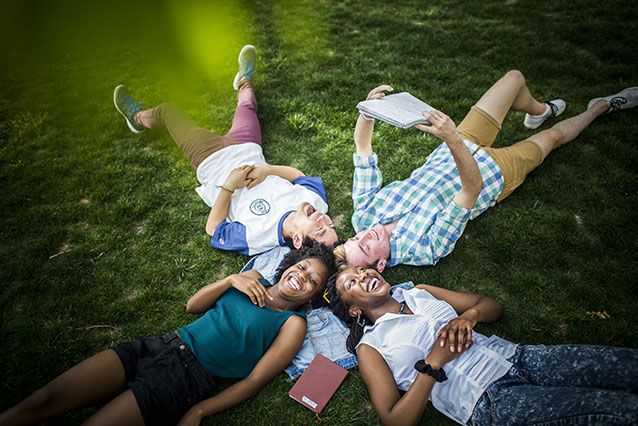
x: 515, y: 75
x: 554, y: 135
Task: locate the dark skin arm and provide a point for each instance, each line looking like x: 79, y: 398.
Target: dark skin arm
x: 279, y: 355
x: 246, y: 282
x: 390, y: 406
x: 236, y: 179
x: 471, y: 308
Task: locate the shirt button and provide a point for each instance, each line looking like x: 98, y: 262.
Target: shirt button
x: 181, y: 347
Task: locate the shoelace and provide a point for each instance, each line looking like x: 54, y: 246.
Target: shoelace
x: 553, y: 107
x: 133, y: 106
x: 616, y: 103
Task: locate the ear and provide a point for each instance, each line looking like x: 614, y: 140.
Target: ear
x: 297, y: 240
x: 354, y: 311
x: 381, y: 264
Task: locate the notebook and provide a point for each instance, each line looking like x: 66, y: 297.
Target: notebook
x: 318, y: 383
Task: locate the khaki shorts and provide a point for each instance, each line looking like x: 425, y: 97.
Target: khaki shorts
x: 515, y: 161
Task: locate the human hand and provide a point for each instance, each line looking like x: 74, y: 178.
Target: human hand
x: 192, y: 417
x: 439, y: 356
x: 440, y: 126
x: 257, y: 175
x: 456, y: 335
x: 251, y: 287
x: 237, y: 178
x: 378, y: 92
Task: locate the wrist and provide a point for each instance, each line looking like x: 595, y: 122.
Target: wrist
x: 472, y: 315
x: 228, y: 188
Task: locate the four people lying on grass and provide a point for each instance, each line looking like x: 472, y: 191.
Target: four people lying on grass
x: 421, y: 342
x: 417, y: 221
x: 255, y: 206
x: 246, y: 331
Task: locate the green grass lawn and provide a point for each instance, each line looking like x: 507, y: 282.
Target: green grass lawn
x: 103, y: 234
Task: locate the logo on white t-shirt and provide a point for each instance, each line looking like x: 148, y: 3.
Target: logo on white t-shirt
x: 259, y: 207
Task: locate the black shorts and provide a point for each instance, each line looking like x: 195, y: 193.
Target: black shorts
x: 165, y: 377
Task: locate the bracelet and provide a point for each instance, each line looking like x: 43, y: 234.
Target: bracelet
x: 226, y: 187
x: 424, y: 368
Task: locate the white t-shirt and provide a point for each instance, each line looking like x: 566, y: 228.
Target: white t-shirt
x: 256, y: 215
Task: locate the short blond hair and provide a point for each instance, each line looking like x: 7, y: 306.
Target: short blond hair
x: 339, y: 253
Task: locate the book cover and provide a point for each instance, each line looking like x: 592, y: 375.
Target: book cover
x: 401, y: 109
x: 318, y: 383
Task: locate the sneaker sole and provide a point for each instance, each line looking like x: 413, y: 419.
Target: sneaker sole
x: 128, y: 123
x: 239, y: 74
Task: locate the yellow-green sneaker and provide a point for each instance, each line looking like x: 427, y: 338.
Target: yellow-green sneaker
x: 247, y: 59
x: 127, y: 106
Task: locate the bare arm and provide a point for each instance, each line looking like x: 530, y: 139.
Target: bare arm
x: 259, y: 173
x: 364, y: 128
x: 391, y: 407
x: 471, y: 307
x: 471, y: 180
x: 279, y: 355
x: 236, y: 179
x: 208, y: 295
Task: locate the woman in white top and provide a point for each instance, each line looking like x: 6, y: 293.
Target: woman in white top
x: 421, y: 341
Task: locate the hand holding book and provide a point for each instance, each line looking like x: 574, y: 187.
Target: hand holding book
x: 402, y: 109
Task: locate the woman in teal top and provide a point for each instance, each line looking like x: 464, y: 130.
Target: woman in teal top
x: 247, y: 331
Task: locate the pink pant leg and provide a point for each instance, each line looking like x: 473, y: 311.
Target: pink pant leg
x: 245, y: 126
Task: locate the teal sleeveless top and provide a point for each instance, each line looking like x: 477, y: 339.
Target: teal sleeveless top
x: 231, y: 337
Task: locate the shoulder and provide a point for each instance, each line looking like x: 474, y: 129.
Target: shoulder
x: 294, y: 323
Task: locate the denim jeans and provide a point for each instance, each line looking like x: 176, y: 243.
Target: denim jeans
x: 563, y: 385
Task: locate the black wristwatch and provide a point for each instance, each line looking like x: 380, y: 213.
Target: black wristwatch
x: 423, y: 367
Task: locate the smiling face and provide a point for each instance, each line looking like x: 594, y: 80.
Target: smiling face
x: 361, y: 288
x: 303, y: 281
x: 369, y: 248
x: 307, y: 221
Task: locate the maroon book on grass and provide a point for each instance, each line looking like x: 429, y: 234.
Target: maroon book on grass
x: 318, y: 383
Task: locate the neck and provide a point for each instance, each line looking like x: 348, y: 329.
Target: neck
x: 286, y: 227
x: 388, y: 306
x: 278, y: 303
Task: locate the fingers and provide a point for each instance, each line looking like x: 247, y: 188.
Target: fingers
x: 378, y: 92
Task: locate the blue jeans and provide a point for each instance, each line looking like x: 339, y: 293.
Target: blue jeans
x: 563, y: 385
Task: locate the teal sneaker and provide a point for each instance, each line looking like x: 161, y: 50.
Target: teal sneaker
x: 247, y: 59
x: 127, y: 106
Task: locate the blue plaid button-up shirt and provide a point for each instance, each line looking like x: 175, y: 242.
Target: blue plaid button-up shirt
x: 429, y: 222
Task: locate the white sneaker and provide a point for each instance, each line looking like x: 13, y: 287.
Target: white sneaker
x: 247, y: 59
x: 627, y: 98
x: 554, y: 109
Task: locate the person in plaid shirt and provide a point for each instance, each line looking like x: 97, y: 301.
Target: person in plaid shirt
x: 417, y: 221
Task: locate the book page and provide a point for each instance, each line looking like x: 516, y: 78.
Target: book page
x: 401, y: 109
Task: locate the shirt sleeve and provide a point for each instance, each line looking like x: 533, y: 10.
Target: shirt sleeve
x: 315, y: 184
x: 230, y: 236
x: 366, y: 182
x: 443, y: 234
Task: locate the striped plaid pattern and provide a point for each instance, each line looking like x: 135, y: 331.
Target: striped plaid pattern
x: 428, y: 222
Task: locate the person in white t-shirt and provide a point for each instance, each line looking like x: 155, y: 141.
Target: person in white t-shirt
x: 255, y: 206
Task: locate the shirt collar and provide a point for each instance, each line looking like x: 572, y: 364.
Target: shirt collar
x: 280, y: 228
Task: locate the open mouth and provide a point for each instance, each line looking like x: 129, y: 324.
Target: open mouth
x: 309, y: 210
x: 294, y: 283
x: 371, y: 284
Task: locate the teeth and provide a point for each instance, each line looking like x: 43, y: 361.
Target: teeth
x: 294, y: 283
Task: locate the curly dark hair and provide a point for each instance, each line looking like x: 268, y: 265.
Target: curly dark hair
x: 340, y: 309
x: 309, y: 249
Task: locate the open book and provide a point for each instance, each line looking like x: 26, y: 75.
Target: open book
x: 402, y: 109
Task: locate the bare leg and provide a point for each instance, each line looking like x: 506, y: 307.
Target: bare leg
x: 93, y: 380
x: 567, y: 130
x: 510, y: 92
x: 122, y: 411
